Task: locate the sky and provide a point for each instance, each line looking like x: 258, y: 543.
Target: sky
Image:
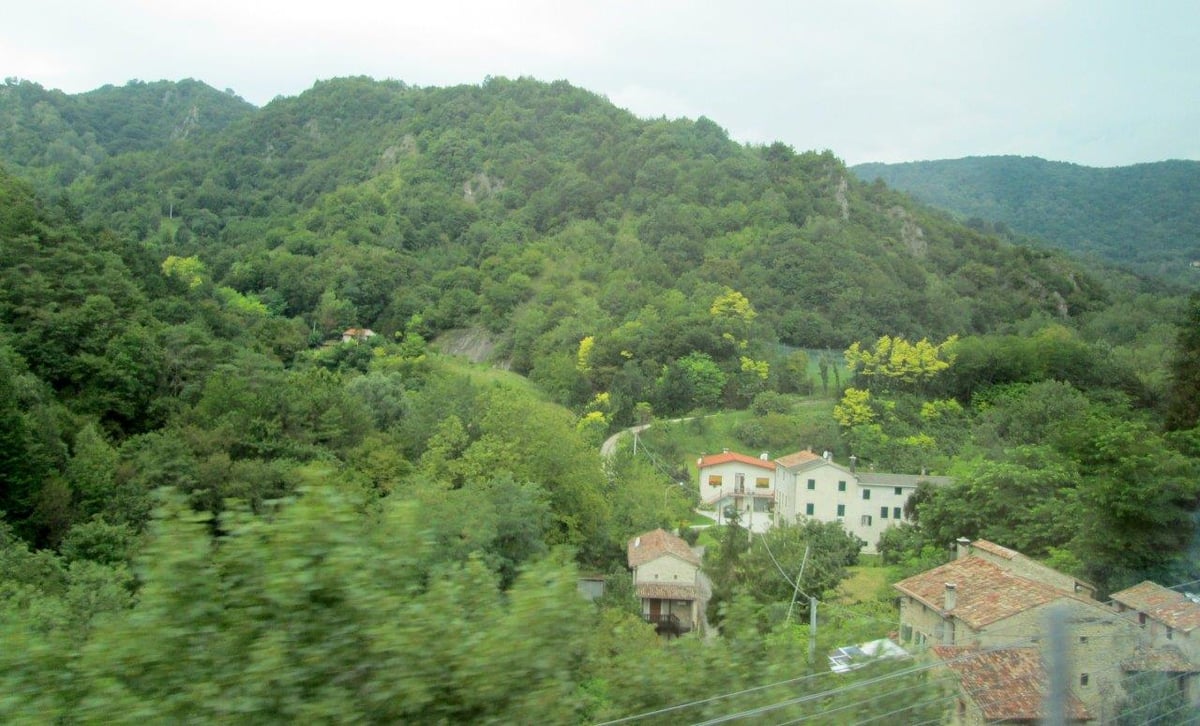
x: 1099, y: 82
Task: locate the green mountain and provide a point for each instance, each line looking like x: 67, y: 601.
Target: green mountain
x: 1145, y: 216
x: 63, y: 136
x: 538, y: 212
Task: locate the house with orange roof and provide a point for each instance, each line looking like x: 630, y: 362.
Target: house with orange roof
x: 992, y: 597
x: 668, y: 581
x: 1001, y: 685
x: 764, y: 491
x: 732, y: 482
x: 1170, y: 640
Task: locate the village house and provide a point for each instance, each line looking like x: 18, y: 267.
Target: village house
x: 668, y: 581
x: 765, y: 492
x: 993, y: 597
x: 357, y: 335
x: 1005, y: 685
x: 733, y: 482
x: 1170, y: 641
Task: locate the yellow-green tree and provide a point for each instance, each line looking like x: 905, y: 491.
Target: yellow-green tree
x: 894, y: 362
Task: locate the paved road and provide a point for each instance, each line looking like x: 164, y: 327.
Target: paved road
x: 609, y: 447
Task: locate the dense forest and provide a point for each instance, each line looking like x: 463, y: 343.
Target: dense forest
x: 1142, y: 216
x: 215, y: 508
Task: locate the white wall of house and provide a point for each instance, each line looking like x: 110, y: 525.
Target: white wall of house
x: 820, y: 489
x: 752, y: 489
x: 668, y: 570
x: 832, y: 493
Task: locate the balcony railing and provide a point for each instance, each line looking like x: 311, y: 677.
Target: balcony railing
x: 667, y: 624
x: 768, y: 494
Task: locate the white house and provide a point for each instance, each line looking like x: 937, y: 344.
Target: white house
x: 765, y: 492
x: 732, y: 482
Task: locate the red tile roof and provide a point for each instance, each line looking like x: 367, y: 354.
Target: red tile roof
x: 1164, y: 605
x: 797, y: 458
x: 985, y: 593
x: 652, y: 545
x: 1006, y: 684
x: 1167, y: 659
x: 665, y: 591
x: 728, y: 456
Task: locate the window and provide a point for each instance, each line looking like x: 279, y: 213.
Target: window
x: 866, y: 520
x: 714, y: 480
x: 1083, y: 679
x: 866, y: 493
x: 808, y: 509
x: 739, y: 482
x: 762, y: 482
x: 812, y: 484
x: 883, y: 512
x: 1170, y: 634
x: 1083, y: 639
x: 1141, y: 618
x: 899, y: 491
x: 841, y: 486
x: 897, y: 513
x: 841, y: 510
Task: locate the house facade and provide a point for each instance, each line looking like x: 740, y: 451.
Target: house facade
x: 993, y: 597
x: 667, y: 579
x: 1005, y: 685
x: 1169, y: 623
x: 733, y: 482
x: 766, y: 492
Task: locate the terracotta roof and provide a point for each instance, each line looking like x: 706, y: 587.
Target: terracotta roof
x: 995, y: 549
x: 728, y: 456
x: 665, y: 591
x: 1167, y: 659
x: 1163, y: 604
x: 797, y: 458
x: 1006, y: 684
x: 985, y: 593
x: 652, y: 545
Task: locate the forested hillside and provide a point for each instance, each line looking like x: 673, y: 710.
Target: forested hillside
x: 546, y: 215
x: 1144, y: 216
x: 217, y: 509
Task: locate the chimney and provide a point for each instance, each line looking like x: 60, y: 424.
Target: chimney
x: 765, y: 456
x: 726, y: 450
x: 853, y: 463
x: 964, y: 547
x: 951, y: 596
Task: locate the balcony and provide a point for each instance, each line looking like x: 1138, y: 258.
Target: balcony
x: 766, y: 494
x: 667, y: 624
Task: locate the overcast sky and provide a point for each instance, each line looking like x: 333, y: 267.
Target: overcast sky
x: 1100, y: 82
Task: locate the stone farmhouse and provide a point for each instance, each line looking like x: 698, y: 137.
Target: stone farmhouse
x: 1170, y: 642
x: 668, y: 581
x: 985, y: 617
x: 764, y: 491
x: 1004, y: 685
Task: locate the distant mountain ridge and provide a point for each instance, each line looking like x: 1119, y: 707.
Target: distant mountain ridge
x: 1145, y: 216
x: 65, y: 136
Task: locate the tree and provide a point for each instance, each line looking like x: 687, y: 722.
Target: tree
x: 1183, y: 402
